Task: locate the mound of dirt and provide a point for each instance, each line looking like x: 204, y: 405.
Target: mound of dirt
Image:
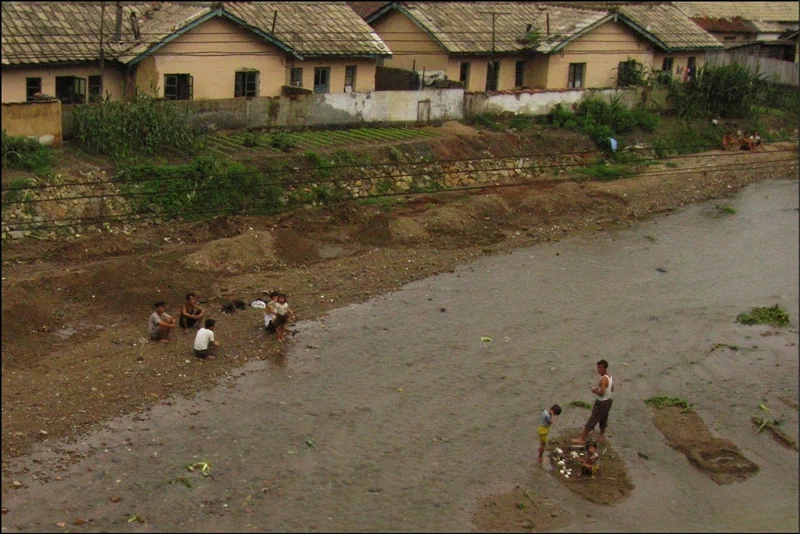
x: 688, y: 433
x: 520, y: 511
x: 407, y: 230
x: 376, y: 231
x: 560, y: 200
x: 291, y: 249
x: 447, y: 220
x: 492, y: 206
x: 611, y: 483
x: 244, y: 253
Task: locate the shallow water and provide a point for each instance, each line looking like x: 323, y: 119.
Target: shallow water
x: 394, y: 415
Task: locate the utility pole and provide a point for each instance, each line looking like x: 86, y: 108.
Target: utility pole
x: 102, y: 55
x: 494, y: 15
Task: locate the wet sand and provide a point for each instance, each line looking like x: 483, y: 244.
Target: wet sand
x: 393, y: 415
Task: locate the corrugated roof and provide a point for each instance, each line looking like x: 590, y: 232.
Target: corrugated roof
x: 49, y: 32
x: 463, y: 27
x: 735, y: 25
x: 670, y: 25
x: 766, y: 11
x: 365, y: 9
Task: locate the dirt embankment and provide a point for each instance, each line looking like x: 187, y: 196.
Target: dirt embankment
x: 74, y: 349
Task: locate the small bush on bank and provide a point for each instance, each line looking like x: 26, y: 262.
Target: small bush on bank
x: 601, y: 120
x: 21, y: 152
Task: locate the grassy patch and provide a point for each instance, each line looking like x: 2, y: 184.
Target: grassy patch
x: 773, y: 316
x: 603, y: 171
x: 663, y: 401
x: 724, y: 208
x: 20, y: 152
x: 484, y: 120
x: 18, y: 191
x: 580, y: 404
x: 650, y: 238
x: 671, y: 164
x: 601, y: 120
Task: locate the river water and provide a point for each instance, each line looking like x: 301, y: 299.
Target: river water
x: 395, y: 415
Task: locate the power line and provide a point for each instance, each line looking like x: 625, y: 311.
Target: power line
x: 237, y: 210
x: 544, y: 155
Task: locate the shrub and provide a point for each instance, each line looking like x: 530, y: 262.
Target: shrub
x: 283, y: 141
x: 773, y: 315
x: 520, y: 122
x: 17, y: 191
x: 729, y: 91
x: 140, y: 127
x: 204, y: 185
x: 21, y: 152
x: 601, y: 120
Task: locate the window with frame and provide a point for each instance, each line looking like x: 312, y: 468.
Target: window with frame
x: 71, y: 89
x: 463, y: 73
x: 296, y: 77
x: 577, y: 73
x: 246, y: 84
x: 519, y: 74
x: 666, y: 64
x: 95, y: 89
x: 322, y: 80
x: 178, y: 86
x: 33, y: 86
x: 349, y: 78
x: 492, y: 75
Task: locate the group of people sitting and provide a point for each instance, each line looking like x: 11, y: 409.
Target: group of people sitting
x: 161, y: 325
x: 742, y: 141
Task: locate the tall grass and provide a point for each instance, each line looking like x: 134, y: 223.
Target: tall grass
x: 141, y: 127
x: 21, y: 152
x: 203, y: 185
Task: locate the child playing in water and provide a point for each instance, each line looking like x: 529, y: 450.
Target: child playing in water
x: 544, y: 428
x: 282, y: 314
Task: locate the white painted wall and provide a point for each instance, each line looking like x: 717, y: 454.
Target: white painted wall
x: 375, y: 106
x: 538, y: 102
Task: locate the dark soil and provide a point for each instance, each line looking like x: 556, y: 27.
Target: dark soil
x: 688, y: 433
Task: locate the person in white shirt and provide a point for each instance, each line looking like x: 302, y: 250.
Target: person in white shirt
x: 204, y: 340
x: 282, y: 315
x: 269, y: 312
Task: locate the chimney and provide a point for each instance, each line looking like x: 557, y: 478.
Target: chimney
x: 118, y: 33
x: 547, y: 18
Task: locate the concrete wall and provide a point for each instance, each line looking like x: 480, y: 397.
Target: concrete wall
x: 34, y: 119
x: 315, y: 110
x: 602, y: 49
x: 13, y: 80
x: 411, y: 46
x: 540, y: 102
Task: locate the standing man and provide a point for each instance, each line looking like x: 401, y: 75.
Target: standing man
x: 602, y: 405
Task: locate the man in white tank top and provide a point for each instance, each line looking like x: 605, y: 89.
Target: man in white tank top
x: 602, y: 405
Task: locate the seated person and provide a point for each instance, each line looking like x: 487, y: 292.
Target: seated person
x: 589, y: 462
x: 160, y: 324
x: 191, y: 313
x: 204, y: 340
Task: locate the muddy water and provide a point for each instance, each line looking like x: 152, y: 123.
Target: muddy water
x: 394, y: 415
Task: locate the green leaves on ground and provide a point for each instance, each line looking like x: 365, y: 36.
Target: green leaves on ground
x: 580, y: 404
x: 773, y: 316
x: 663, y: 401
x: 20, y: 152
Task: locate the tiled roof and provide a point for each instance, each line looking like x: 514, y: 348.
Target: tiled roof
x: 43, y: 32
x: 670, y: 25
x: 734, y: 25
x: 766, y: 11
x: 313, y: 28
x: 463, y: 27
x: 49, y: 32
x: 365, y: 9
